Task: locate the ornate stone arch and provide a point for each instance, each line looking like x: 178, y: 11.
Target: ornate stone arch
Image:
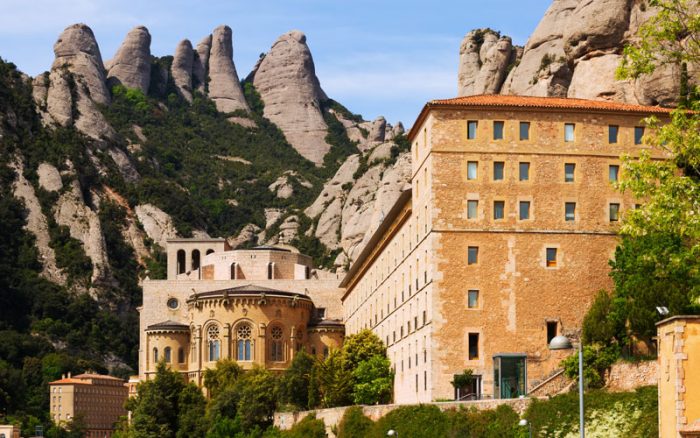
x: 213, y: 333
x: 276, y: 341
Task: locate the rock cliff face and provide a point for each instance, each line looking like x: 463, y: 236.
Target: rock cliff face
x: 224, y: 86
x: 201, y: 63
x: 573, y: 52
x: 131, y: 66
x: 287, y: 83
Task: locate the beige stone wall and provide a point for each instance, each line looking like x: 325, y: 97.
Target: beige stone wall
x: 679, y: 380
x: 253, y: 265
x: 189, y: 246
x: 161, y: 340
x: 100, y: 403
x: 627, y: 376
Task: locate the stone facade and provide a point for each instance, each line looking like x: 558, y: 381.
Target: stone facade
x: 257, y: 306
x: 679, y: 381
x: 536, y: 268
x: 97, y: 398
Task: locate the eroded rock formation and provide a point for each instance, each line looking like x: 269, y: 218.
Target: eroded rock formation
x: 287, y: 83
x: 484, y: 61
x: 182, y: 68
x: 224, y: 85
x: 131, y: 66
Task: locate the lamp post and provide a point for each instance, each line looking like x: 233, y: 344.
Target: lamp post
x: 392, y: 432
x: 523, y: 423
x: 563, y: 343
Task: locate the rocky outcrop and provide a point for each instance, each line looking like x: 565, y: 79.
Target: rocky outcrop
x: 36, y: 221
x: 157, y: 224
x: 124, y: 164
x: 84, y: 225
x: 351, y: 205
x: 248, y: 235
x: 131, y: 66
x: 76, y: 83
x: 376, y: 129
x: 287, y: 83
x: 394, y: 132
x: 283, y: 187
x: 574, y: 52
x: 201, y: 64
x: 484, y: 61
x: 49, y: 177
x: 182, y: 68
x: 224, y: 86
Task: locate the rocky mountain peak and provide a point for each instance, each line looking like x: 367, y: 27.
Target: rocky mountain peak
x: 287, y: 83
x: 182, y: 69
x: 224, y: 86
x: 76, y: 50
x: 131, y: 65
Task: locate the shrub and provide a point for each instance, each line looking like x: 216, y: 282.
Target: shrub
x: 308, y: 427
x: 596, y: 361
x: 354, y: 424
x: 424, y: 421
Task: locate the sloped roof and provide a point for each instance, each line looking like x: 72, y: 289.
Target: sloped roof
x: 168, y: 325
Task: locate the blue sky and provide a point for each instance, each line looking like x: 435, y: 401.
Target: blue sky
x: 375, y: 57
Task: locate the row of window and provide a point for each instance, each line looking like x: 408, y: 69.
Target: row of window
x: 473, y: 259
x: 473, y: 340
x: 524, y: 207
x: 498, y: 128
x: 524, y: 171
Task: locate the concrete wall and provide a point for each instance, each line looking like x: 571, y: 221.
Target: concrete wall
x: 331, y: 417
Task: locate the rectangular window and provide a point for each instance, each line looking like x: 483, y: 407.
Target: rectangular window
x: 471, y: 129
x: 524, y: 171
x: 473, y: 299
x: 612, y: 133
x: 524, y: 210
x: 472, y: 207
x: 569, y: 132
x: 472, y: 255
x: 498, y: 167
x: 569, y: 170
x: 638, y: 134
x: 498, y: 130
x: 551, y: 257
x: 473, y: 346
x: 499, y: 209
x: 551, y: 330
x: 472, y: 169
x: 614, y: 212
x: 613, y: 172
x: 524, y: 130
x: 570, y: 211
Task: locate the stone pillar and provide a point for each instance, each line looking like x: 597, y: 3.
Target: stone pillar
x: 260, y: 350
x: 198, y: 347
x: 226, y: 350
x: 292, y: 340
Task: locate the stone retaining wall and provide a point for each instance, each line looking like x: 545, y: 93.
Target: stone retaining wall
x: 627, y: 376
x: 331, y: 417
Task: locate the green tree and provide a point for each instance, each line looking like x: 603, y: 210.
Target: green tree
x: 226, y: 373
x: 373, y: 381
x: 354, y: 424
x: 602, y: 325
x: 155, y: 408
x: 658, y: 261
x: 596, y: 360
x: 333, y: 381
x: 191, y: 421
x: 360, y: 347
x: 258, y: 398
x: 295, y: 383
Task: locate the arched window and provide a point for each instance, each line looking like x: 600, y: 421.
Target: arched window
x: 325, y: 352
x: 307, y: 272
x: 234, y: 271
x: 166, y: 353
x: 180, y: 355
x: 244, y: 336
x: 181, y: 261
x: 155, y: 355
x: 276, y: 344
x: 270, y: 271
x: 195, y: 259
x: 210, y: 251
x: 214, y: 343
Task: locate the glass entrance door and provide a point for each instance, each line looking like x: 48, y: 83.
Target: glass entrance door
x: 510, y: 375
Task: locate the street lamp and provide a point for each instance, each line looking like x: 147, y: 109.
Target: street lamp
x: 392, y: 432
x: 523, y: 423
x: 563, y: 343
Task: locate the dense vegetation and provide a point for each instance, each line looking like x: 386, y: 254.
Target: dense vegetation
x: 242, y: 403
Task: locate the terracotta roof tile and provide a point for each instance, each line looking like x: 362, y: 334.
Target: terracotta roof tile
x: 547, y: 102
